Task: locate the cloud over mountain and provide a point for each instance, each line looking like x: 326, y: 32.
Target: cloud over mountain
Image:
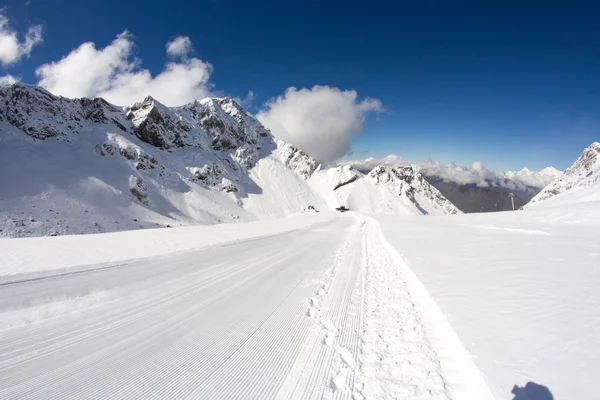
x: 320, y: 121
x: 11, y: 48
x: 114, y: 74
x: 476, y: 173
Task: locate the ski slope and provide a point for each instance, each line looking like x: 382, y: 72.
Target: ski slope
x: 316, y: 306
x: 520, y: 289
x: 279, y: 316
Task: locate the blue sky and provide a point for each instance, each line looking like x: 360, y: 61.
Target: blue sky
x: 512, y: 86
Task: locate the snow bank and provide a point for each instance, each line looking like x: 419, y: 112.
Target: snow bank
x: 35, y: 255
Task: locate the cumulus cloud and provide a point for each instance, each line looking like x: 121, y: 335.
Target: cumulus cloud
x: 369, y: 163
x: 247, y: 101
x: 11, y: 48
x: 114, y: 74
x: 320, y: 121
x: 7, y: 80
x: 181, y: 46
x: 475, y: 174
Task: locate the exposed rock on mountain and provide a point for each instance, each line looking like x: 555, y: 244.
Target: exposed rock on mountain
x: 579, y: 183
x: 394, y: 190
x: 84, y: 165
x: 408, y: 182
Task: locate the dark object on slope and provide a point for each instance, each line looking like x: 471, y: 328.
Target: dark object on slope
x: 342, y: 209
x: 532, y: 391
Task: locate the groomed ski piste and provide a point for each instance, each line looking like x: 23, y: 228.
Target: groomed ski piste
x: 313, y: 306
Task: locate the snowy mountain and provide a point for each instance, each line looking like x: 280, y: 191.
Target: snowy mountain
x: 81, y: 166
x: 385, y: 189
x: 579, y: 183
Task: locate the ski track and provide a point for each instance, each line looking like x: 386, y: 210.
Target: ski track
x: 397, y: 360
x: 318, y: 313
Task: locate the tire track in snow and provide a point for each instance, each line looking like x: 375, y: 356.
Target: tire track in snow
x: 462, y: 377
x: 396, y: 358
x: 368, y: 341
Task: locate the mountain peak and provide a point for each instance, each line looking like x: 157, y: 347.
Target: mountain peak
x: 104, y: 168
x: 584, y: 174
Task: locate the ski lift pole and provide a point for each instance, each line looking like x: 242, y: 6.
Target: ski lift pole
x: 512, y: 199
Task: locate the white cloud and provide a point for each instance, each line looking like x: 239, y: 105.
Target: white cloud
x: 320, y: 121
x: 87, y: 71
x: 7, y: 80
x: 369, y: 163
x: 475, y: 174
x: 181, y: 46
x: 114, y: 74
x: 11, y: 49
x: 247, y: 101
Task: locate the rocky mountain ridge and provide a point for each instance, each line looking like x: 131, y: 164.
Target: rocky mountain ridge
x: 84, y: 166
x: 580, y: 180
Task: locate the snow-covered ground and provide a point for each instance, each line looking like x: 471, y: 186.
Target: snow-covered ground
x: 318, y: 305
x: 321, y: 311
x: 579, y: 183
x: 520, y: 289
x: 46, y: 255
x: 313, y: 306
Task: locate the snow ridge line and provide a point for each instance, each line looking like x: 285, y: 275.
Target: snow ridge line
x: 462, y: 378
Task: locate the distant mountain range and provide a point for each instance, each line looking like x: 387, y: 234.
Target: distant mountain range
x: 471, y: 198
x: 72, y: 166
x: 579, y: 183
x: 478, y: 190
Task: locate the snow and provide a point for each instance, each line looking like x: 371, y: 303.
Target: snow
x: 387, y: 190
x: 79, y: 166
x: 40, y: 255
x: 518, y: 288
x: 438, y: 307
x: 276, y: 295
x: 206, y: 324
x: 579, y: 183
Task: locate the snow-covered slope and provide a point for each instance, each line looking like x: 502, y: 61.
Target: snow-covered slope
x: 520, y: 290
x: 388, y: 190
x: 71, y: 166
x: 340, y: 306
x: 579, y: 183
